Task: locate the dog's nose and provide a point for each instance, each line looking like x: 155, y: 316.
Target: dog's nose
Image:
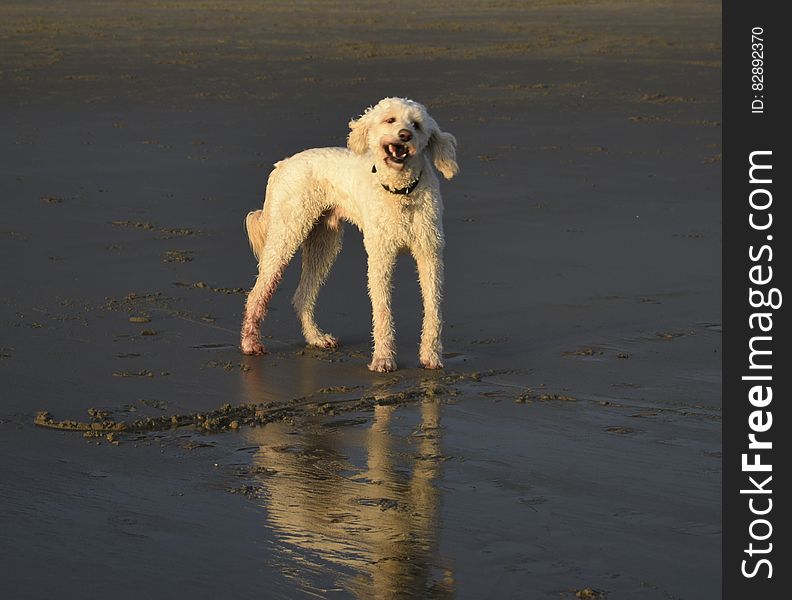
x: 404, y: 135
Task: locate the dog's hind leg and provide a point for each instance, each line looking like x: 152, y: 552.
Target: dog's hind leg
x: 319, y: 251
x: 256, y: 307
x: 279, y: 246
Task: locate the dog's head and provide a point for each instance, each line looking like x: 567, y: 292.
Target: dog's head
x: 397, y: 131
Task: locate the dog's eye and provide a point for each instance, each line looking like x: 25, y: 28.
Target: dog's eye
x: 417, y: 125
x: 390, y: 120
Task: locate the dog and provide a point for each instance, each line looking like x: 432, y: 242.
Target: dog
x: 383, y: 183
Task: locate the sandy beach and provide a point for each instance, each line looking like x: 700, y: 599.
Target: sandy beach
x: 571, y: 447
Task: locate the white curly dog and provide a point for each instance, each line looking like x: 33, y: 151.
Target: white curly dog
x: 385, y: 185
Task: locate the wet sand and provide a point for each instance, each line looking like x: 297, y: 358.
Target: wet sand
x: 571, y: 447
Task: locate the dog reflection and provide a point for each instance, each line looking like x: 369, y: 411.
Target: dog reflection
x: 361, y: 500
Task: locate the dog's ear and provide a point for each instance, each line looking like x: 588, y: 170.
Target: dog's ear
x: 442, y: 148
x: 357, y: 140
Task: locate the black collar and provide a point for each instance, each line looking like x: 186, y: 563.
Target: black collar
x: 400, y: 191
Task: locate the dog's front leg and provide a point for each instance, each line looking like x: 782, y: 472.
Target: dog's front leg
x: 430, y: 277
x: 380, y: 276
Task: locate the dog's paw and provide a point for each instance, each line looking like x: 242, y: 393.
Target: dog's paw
x: 431, y: 361
x: 252, y: 348
x: 382, y: 364
x: 324, y: 340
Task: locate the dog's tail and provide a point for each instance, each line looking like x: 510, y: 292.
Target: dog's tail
x: 257, y: 235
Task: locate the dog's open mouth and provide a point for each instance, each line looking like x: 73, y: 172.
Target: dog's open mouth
x: 396, y: 153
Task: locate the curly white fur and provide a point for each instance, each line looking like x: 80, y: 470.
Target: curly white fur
x: 391, y: 149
